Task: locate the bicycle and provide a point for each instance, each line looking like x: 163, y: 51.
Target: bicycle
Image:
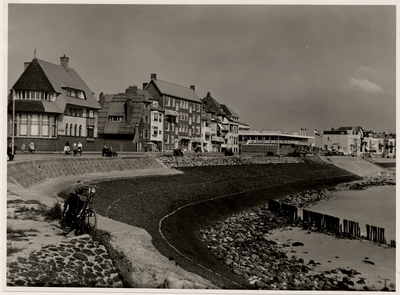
x: 78, y: 213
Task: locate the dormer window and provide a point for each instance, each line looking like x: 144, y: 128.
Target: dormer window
x: 75, y: 93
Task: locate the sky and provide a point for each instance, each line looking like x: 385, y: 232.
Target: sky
x: 277, y: 66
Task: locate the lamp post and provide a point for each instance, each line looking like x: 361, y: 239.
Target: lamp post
x: 13, y: 122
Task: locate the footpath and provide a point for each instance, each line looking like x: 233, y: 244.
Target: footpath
x: 41, y: 256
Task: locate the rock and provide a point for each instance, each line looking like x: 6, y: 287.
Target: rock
x: 369, y: 262
x: 296, y: 244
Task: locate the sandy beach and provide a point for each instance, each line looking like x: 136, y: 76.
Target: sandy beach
x: 333, y: 253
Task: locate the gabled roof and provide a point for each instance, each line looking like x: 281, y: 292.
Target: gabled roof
x: 175, y: 90
x: 213, y: 105
x: 228, y: 111
x: 41, y: 75
x: 115, y: 105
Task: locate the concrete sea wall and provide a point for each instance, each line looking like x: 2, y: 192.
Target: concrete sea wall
x: 29, y: 173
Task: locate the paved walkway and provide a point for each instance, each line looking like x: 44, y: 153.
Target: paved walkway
x: 77, y: 262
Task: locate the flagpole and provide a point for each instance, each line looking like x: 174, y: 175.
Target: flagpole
x: 13, y: 122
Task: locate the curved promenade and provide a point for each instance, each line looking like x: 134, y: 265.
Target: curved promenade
x: 151, y: 269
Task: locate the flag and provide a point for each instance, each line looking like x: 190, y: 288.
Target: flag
x: 316, y: 132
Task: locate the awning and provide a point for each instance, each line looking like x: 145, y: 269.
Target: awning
x: 196, y: 139
x: 222, y: 127
x: 171, y: 113
x: 217, y: 139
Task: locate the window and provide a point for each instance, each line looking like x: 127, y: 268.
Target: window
x: 190, y: 109
x: 172, y: 126
x: 146, y: 134
x: 91, y: 114
x: 115, y: 118
x: 146, y: 119
x: 66, y: 129
x: 24, y: 125
x: 198, y: 129
x: 53, y: 126
x: 76, y: 130
x: 198, y: 118
x: 159, y: 132
x: 80, y: 130
x: 45, y: 126
x: 166, y: 139
x: 173, y: 102
x: 155, y: 130
x: 190, y: 120
x: 159, y: 117
x: 167, y: 101
x: 172, y: 139
x: 156, y: 117
x: 34, y: 125
x: 167, y: 126
x: 70, y: 130
x: 90, y: 131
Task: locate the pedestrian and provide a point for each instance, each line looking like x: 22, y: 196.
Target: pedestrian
x: 75, y: 148
x: 32, y: 147
x: 67, y: 149
x: 80, y: 148
x: 23, y: 148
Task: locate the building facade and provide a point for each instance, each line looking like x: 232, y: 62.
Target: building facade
x: 277, y: 142
x: 51, y: 104
x: 221, y: 126
x: 344, y: 139
x: 125, y: 120
x: 182, y: 114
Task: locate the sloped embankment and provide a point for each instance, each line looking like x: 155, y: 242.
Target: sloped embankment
x: 356, y: 165
x: 28, y: 173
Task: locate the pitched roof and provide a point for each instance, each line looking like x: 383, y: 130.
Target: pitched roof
x: 175, y: 90
x: 114, y: 105
x: 213, y: 105
x: 228, y: 111
x: 41, y: 75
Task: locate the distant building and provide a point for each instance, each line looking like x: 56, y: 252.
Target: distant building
x: 52, y: 105
x: 182, y: 109
x: 379, y: 144
x: 344, y: 139
x: 221, y: 126
x: 274, y: 141
x: 124, y: 120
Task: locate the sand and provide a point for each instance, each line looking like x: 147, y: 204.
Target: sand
x: 335, y: 253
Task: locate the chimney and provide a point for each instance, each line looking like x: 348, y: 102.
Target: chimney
x: 64, y: 61
x: 153, y: 76
x: 193, y: 88
x: 208, y: 94
x: 144, y: 85
x: 129, y: 110
x: 131, y: 89
x: 26, y: 64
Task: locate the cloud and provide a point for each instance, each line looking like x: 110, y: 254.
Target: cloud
x: 361, y: 85
x: 362, y: 69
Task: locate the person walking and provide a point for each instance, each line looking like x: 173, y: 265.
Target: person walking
x: 80, y: 148
x: 32, y: 147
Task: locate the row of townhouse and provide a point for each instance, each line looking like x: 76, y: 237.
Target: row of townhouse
x: 356, y: 141
x: 50, y: 104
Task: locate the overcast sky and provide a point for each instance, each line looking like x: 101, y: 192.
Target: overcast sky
x: 277, y: 67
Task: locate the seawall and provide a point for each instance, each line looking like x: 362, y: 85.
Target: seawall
x: 33, y: 172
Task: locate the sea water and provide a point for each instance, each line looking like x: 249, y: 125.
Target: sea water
x: 375, y: 206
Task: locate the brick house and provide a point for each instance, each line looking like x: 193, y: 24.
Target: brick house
x: 182, y: 117
x: 125, y: 120
x: 52, y: 105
